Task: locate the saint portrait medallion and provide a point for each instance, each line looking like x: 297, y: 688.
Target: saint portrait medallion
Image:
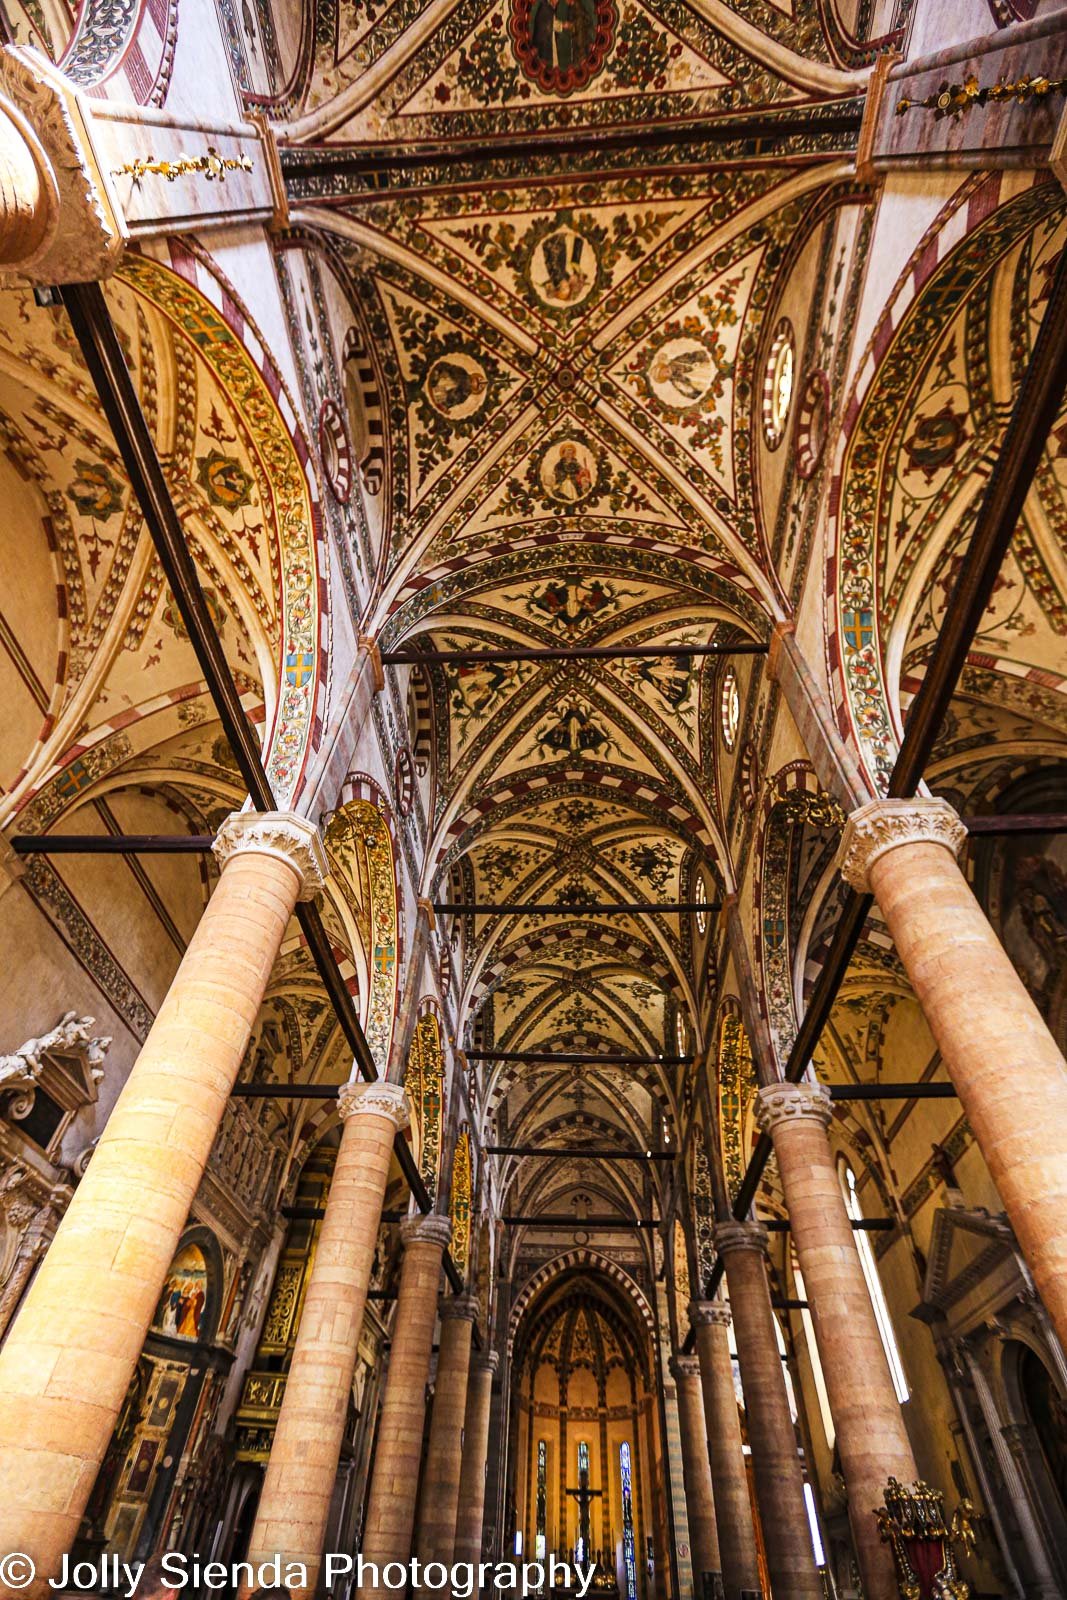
x: 456, y: 386
x: 569, y: 471
x: 683, y: 371
x: 562, y: 44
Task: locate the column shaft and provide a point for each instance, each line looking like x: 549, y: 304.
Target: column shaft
x: 70, y: 1354
x: 439, y: 1500
x: 699, y: 1497
x: 1000, y: 1055
x: 733, y: 1506
x: 871, y: 1436
x: 390, y: 1515
x: 471, y: 1513
x: 294, y: 1506
x: 771, y: 1434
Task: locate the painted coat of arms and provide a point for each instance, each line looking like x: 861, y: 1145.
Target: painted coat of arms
x: 562, y: 44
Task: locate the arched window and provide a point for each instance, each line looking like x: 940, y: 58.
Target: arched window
x: 874, y: 1284
x: 542, y: 1500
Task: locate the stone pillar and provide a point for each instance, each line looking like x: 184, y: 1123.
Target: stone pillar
x: 871, y: 1436
x: 1000, y: 1055
x: 71, y: 1351
x: 710, y: 1321
x: 391, y: 1505
x: 699, y: 1498
x: 771, y: 1434
x: 295, y: 1503
x: 439, y: 1500
x: 29, y: 198
x: 471, y: 1513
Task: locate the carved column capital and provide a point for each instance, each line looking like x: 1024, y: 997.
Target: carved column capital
x: 731, y: 1236
x: 459, y: 1308
x: 709, y: 1314
x: 428, y: 1229
x: 683, y: 1367
x: 281, y: 834
x: 374, y: 1100
x: 883, y: 825
x: 486, y: 1361
x: 781, y: 1103
x: 369, y: 644
x: 426, y: 907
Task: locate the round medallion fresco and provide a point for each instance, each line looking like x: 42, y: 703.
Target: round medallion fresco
x: 562, y: 269
x: 682, y: 371
x: 568, y: 471
x: 562, y: 44
x: 456, y: 386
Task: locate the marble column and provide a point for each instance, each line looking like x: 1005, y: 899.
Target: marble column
x: 29, y: 198
x: 439, y: 1500
x: 1007, y: 1069
x: 710, y: 1321
x: 471, y: 1513
x: 72, y: 1349
x: 871, y: 1437
x: 390, y: 1518
x: 771, y: 1434
x: 294, y: 1506
x: 696, y: 1469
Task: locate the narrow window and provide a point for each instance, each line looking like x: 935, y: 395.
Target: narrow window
x: 874, y: 1285
x: 629, y: 1553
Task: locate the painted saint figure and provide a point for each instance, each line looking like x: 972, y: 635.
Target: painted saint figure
x: 571, y: 478
x: 451, y: 385
x: 562, y: 32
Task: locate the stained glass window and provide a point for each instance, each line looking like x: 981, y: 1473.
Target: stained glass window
x: 542, y: 1499
x: 629, y: 1553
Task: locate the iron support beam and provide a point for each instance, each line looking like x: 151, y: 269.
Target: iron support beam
x: 859, y: 1225
x: 112, y: 844
x: 579, y: 652
x: 512, y: 908
x: 565, y: 1152
x: 602, y: 1223
x: 286, y: 1091
x: 893, y: 1091
x: 100, y: 345
x: 1056, y: 822
x: 577, y: 1060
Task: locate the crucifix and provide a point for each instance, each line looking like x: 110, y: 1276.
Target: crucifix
x: 584, y: 1495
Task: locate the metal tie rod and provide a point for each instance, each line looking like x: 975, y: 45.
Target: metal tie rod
x: 566, y: 1221
x: 893, y: 1091
x: 566, y: 1152
x: 588, y: 652
x: 541, y: 909
x: 578, y: 1060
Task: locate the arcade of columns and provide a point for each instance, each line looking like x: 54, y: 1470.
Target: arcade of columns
x: 69, y: 1356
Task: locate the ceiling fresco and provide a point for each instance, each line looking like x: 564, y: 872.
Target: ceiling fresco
x: 573, y: 374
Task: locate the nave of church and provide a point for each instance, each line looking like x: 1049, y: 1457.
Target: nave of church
x: 533, y: 788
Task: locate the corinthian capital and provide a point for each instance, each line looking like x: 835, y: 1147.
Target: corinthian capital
x: 281, y: 834
x: 730, y: 1236
x: 428, y: 1229
x: 709, y: 1314
x: 374, y: 1100
x: 883, y: 825
x: 782, y: 1103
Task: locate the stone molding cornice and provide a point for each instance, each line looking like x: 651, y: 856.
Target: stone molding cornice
x: 782, y: 1103
x: 374, y: 1100
x: 709, y: 1314
x: 459, y: 1308
x: 883, y: 825
x: 430, y: 1229
x: 684, y: 1367
x: 281, y: 834
x: 731, y: 1236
